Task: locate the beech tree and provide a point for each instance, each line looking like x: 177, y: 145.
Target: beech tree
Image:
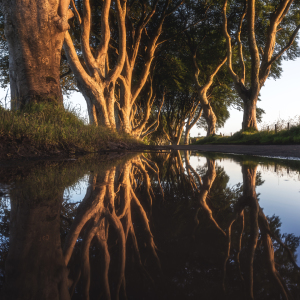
x: 207, y: 51
x: 95, y: 78
x: 271, y: 29
x: 139, y: 26
x: 35, y: 37
x: 111, y: 92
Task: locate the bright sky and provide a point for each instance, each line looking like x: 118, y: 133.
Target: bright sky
x: 280, y: 98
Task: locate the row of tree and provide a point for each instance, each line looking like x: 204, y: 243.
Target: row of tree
x: 148, y: 65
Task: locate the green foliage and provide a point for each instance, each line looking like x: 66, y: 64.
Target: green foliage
x: 49, y: 128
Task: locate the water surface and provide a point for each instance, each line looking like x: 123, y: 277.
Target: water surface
x: 171, y: 225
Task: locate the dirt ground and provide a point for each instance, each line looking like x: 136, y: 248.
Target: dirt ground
x: 280, y: 151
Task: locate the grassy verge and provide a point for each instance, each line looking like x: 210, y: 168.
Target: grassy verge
x: 252, y: 137
x: 44, y: 129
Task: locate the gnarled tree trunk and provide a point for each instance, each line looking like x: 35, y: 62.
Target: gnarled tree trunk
x: 249, y: 117
x: 34, y: 43
x: 95, y: 79
x: 190, y: 123
x: 210, y: 118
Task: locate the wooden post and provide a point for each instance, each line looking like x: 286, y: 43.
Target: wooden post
x: 288, y: 126
x: 268, y: 128
x: 275, y: 128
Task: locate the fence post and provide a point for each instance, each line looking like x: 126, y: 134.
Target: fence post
x: 275, y: 128
x: 231, y: 133
x: 268, y: 128
x: 288, y: 126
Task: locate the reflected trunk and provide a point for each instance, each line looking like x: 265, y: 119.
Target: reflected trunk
x: 35, y: 265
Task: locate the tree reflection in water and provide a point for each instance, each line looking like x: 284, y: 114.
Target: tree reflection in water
x: 214, y: 240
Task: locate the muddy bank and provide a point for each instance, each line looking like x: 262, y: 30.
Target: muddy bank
x: 16, y: 149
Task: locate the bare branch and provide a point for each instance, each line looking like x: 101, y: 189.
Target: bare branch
x: 76, y: 12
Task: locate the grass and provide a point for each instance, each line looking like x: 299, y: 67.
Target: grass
x: 52, y: 129
x: 253, y: 137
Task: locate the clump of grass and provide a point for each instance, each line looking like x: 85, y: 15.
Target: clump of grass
x: 254, y: 137
x: 49, y: 127
x: 281, y: 124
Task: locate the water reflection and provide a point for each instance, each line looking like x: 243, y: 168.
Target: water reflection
x: 150, y: 226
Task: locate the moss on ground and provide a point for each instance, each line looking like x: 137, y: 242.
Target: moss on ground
x: 45, y: 129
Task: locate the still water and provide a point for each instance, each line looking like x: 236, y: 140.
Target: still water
x: 168, y: 225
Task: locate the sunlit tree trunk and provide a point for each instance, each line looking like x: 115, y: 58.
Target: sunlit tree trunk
x: 95, y: 79
x: 208, y: 112
x: 203, y: 89
x: 249, y: 117
x: 34, y: 44
x: 131, y: 89
x: 191, y: 123
x: 210, y: 118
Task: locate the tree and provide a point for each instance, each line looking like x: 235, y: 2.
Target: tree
x: 192, y: 119
x: 207, y: 53
x: 35, y: 40
x: 96, y: 80
x: 271, y: 31
x: 144, y: 30
x: 178, y: 106
x: 129, y: 44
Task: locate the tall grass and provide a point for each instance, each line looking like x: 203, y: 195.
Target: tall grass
x: 281, y: 124
x: 49, y: 127
x: 266, y: 135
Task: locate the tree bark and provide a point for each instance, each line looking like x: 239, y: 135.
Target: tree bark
x: 95, y: 80
x: 187, y: 137
x: 190, y: 124
x: 249, y: 117
x: 34, y: 44
x: 208, y: 112
x: 210, y: 118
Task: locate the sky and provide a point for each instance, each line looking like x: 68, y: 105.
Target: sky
x: 280, y: 99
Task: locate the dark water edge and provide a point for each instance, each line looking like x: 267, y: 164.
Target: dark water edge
x: 145, y: 226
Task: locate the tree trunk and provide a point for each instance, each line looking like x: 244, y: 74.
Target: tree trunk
x: 96, y: 80
x: 99, y: 108
x: 125, y: 124
x: 249, y: 118
x: 187, y: 136
x: 34, y: 44
x: 210, y: 118
x: 175, y: 140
